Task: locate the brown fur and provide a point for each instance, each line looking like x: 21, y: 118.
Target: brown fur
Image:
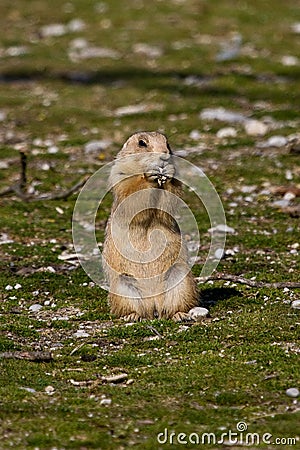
x: 132, y: 296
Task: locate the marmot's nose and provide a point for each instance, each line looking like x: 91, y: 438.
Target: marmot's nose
x: 165, y: 156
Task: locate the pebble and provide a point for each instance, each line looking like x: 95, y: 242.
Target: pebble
x: 198, y: 313
x: 219, y: 253
x: 296, y: 27
x: 293, y: 392
x: 106, y: 401
x: 289, y: 60
x: 277, y: 141
x: 222, y: 114
x: 53, y: 30
x: 27, y: 389
x: 2, y: 116
x: 149, y: 50
x: 96, y: 146
x: 116, y: 378
x: 4, y: 164
x: 195, y: 135
x: 222, y: 228
x: 35, y: 308
x: 295, y: 304
x: 255, y: 128
x: 226, y: 132
x: 49, y: 390
x: 81, y: 334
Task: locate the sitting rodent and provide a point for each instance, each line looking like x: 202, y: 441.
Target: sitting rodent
x: 143, y: 254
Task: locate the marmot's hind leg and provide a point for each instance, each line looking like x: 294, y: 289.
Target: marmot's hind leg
x: 126, y: 300
x: 179, y: 298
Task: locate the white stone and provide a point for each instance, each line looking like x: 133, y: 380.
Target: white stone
x: 255, y: 128
x: 222, y: 228
x: 106, y: 402
x: 293, y: 392
x: 96, y: 146
x: 296, y: 304
x: 296, y: 27
x: 49, y: 390
x: 289, y: 60
x: 198, y: 313
x: 195, y: 135
x: 81, y: 334
x: 219, y: 253
x: 226, y: 132
x: 2, y: 116
x: 35, y: 308
x: 277, y: 141
x: 53, y: 30
x: 222, y: 115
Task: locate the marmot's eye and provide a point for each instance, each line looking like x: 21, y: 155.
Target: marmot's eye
x: 142, y: 143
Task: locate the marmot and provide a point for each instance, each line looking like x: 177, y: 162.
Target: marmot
x: 143, y: 253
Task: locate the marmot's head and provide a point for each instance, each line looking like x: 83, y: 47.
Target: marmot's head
x: 145, y: 141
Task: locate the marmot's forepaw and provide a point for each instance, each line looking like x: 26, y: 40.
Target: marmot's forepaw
x: 181, y: 317
x: 133, y: 317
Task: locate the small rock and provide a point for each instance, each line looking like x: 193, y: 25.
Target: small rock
x: 96, y: 146
x: 295, y: 304
x: 198, y: 313
x: 52, y: 150
x: 219, y: 253
x: 81, y: 334
x: 106, y: 402
x: 35, y: 308
x: 255, y: 128
x: 222, y: 228
x: 27, y: 389
x: 277, y: 141
x: 195, y: 135
x: 4, y: 238
x: 116, y: 378
x: 149, y: 50
x: 222, y: 115
x: 17, y: 286
x: 289, y: 60
x: 130, y: 109
x: 16, y: 51
x: 226, y: 132
x: 296, y: 27
x: 4, y: 164
x: 8, y: 287
x: 76, y: 25
x: 2, y: 116
x: 53, y: 30
x: 49, y: 390
x: 293, y: 392
x: 281, y: 203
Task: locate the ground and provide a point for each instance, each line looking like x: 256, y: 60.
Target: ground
x: 103, y: 73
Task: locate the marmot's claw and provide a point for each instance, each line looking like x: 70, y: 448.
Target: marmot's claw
x: 181, y: 317
x: 133, y: 317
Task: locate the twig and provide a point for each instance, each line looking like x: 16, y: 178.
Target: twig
x: 154, y: 330
x: 247, y: 282
x: 19, y: 189
x: 29, y: 356
x: 60, y: 195
x: 23, y: 179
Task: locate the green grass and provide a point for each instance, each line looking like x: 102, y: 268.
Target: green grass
x: 201, y: 378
